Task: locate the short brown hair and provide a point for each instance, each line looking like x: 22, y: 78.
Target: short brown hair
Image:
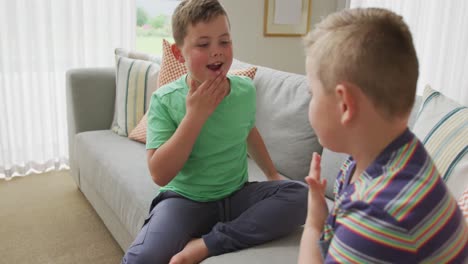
x: 190, y: 12
x: 371, y: 48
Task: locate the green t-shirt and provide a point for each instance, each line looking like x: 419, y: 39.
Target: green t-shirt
x: 217, y: 165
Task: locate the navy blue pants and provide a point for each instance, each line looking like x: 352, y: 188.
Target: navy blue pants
x: 257, y: 213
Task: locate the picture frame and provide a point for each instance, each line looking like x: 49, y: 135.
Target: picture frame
x: 286, y: 18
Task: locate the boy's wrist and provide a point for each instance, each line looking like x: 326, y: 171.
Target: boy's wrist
x: 192, y: 124
x: 314, y: 224
x: 195, y: 118
x: 314, y: 232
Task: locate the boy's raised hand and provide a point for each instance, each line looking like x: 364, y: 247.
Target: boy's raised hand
x: 317, y: 210
x: 202, y: 99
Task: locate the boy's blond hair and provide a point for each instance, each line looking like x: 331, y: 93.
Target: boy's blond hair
x: 371, y: 48
x: 190, y: 12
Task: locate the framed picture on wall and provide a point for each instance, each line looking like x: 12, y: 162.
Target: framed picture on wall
x: 286, y: 18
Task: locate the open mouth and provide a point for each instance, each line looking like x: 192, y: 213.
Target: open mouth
x: 215, y: 66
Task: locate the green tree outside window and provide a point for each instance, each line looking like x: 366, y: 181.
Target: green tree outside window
x: 153, y: 22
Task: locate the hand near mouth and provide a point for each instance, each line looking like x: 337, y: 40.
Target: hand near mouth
x: 202, y: 99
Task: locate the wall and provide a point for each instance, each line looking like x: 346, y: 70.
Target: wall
x: 283, y: 53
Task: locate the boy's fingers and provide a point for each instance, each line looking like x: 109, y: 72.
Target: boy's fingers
x: 193, y: 86
x: 206, y: 86
x: 309, y: 180
x: 314, y: 170
x: 314, y: 186
x: 216, y: 82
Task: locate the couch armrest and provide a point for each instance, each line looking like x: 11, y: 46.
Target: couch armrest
x: 90, y: 95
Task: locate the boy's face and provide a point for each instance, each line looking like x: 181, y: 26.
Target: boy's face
x: 323, y: 109
x: 207, y: 49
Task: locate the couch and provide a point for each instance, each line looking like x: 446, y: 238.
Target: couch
x: 112, y: 173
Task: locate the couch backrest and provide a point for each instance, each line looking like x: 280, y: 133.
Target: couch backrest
x: 282, y: 119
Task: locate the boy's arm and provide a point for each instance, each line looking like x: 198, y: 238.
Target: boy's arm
x: 259, y: 153
x: 309, y: 252
x: 317, y: 211
x: 166, y: 161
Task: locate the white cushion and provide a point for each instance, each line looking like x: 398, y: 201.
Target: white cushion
x: 442, y: 126
x: 136, y: 79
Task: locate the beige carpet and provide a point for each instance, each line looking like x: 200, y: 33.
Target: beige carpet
x: 46, y: 219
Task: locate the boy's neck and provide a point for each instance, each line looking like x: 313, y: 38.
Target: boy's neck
x: 189, y: 79
x: 369, y: 144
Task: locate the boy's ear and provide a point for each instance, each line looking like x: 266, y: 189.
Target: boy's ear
x: 177, y: 53
x: 347, y: 102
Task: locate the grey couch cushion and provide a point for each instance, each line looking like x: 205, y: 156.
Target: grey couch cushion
x: 116, y: 167
x: 283, y: 125
x: 280, y: 251
x: 282, y: 119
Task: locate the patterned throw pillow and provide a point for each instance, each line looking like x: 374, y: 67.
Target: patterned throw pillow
x: 463, y: 204
x: 136, y: 79
x: 171, y: 70
x: 442, y: 126
x: 139, y: 133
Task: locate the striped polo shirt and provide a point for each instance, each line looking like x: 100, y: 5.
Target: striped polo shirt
x: 397, y: 211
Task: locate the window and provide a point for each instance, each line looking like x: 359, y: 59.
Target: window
x: 154, y: 24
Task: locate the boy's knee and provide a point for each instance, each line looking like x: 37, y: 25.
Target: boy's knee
x: 294, y: 191
x: 297, y: 193
x: 297, y: 188
x: 141, y: 254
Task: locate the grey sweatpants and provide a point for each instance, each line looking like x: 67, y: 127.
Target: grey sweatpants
x: 257, y: 213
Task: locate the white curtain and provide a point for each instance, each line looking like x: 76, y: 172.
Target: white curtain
x: 440, y: 34
x: 39, y: 41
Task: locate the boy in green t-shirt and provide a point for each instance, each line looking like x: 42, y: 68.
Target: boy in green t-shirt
x: 200, y: 129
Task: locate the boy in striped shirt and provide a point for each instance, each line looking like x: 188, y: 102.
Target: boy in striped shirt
x: 391, y: 206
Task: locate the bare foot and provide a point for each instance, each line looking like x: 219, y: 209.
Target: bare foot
x: 194, y: 252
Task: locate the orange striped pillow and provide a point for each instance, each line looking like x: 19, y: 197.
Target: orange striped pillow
x: 171, y: 70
